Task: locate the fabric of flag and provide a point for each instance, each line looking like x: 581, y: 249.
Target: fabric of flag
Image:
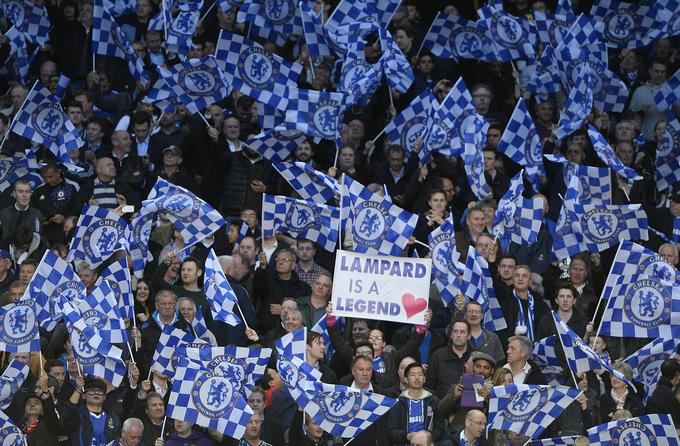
x: 228, y: 5
x: 358, y: 78
x: 545, y: 357
x: 474, y: 138
x: 208, y: 398
x: 627, y: 25
x: 301, y: 219
x: 410, y: 125
x: 162, y: 20
x: 140, y: 229
x: 170, y: 338
x: 518, y: 218
x: 118, y: 276
x: 99, y: 234
x: 308, y: 182
x: 255, y: 72
x: 668, y: 154
x: 109, y: 40
x: 315, y: 34
x: 545, y: 80
x: 551, y: 29
x: 351, y: 11
x: 218, y: 292
x: 191, y: 216
x: 583, y: 39
x: 579, y: 103
x: 580, y: 357
x: 646, y: 362
x: 29, y: 18
x: 12, y: 379
x: 96, y: 356
x: 528, y: 409
x: 557, y: 441
x: 454, y: 37
x: 199, y: 327
x: 595, y: 182
x: 378, y: 225
x: 607, y: 155
x: 274, y: 20
x: 121, y: 7
x: 318, y: 114
x: 18, y: 59
x: 182, y: 28
x: 396, y: 67
x: 245, y: 365
x: 196, y: 83
x: 242, y: 232
x: 321, y: 327
x: 54, y: 280
x: 521, y: 143
x: 62, y: 86
x: 42, y: 120
x: 276, y: 144
x: 100, y: 310
x: 669, y: 94
x: 9, y: 433
x: 294, y: 345
x: 442, y: 243
x: 508, y: 33
x: 654, y: 429
x: 477, y: 285
x: 19, y: 327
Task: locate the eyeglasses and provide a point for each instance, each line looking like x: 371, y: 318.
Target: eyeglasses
x: 283, y: 260
x: 94, y: 392
x: 478, y: 423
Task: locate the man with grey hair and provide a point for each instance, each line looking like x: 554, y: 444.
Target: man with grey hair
x: 523, y: 370
x: 669, y: 252
x: 130, y: 434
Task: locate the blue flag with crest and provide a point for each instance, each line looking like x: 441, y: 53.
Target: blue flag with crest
x: 100, y: 310
x: 477, y: 284
x: 518, y: 219
x: 19, y: 329
x: 453, y: 37
x: 668, y: 154
x: 646, y: 362
x: 275, y: 21
x: 181, y: 30
x: 99, y: 234
x: 474, y: 138
x: 13, y: 377
x: 442, y: 243
x: 30, y: 18
x: 218, y: 292
x: 410, y: 125
x: 509, y: 34
x: 118, y: 276
x: 308, y: 182
x: 318, y: 114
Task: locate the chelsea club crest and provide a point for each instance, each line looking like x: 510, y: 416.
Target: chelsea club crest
x: 19, y: 324
x: 657, y: 267
x: 234, y: 369
x: 278, y: 12
x: 11, y: 436
x: 463, y: 122
x: 651, y: 367
x: 181, y: 205
x: 47, y: 119
x: 370, y: 224
x: 632, y: 432
x: 339, y: 407
x: 70, y: 290
x: 101, y: 238
x: 620, y: 26
x: 324, y: 119
x: 601, y: 225
x: 256, y: 68
x: 441, y: 257
x: 507, y: 30
x: 198, y: 81
x: 87, y: 355
x: 301, y: 217
x: 214, y: 395
x: 414, y: 128
x: 669, y: 141
x: 467, y: 41
x: 524, y: 404
x: 288, y: 371
x: 647, y: 303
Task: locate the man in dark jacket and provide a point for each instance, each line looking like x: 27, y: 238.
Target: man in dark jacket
x: 523, y: 370
x: 20, y: 213
x: 103, y: 190
x: 473, y: 432
x: 663, y: 400
x: 89, y: 423
x: 447, y: 363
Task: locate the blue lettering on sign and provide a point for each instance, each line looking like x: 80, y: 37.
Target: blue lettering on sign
x: 367, y: 306
x: 383, y: 267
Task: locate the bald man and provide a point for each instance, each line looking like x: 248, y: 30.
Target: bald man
x: 422, y: 438
x: 129, y: 167
x: 104, y: 189
x: 473, y: 432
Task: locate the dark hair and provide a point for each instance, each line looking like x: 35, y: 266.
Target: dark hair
x: 141, y: 117
x: 361, y: 358
x: 74, y: 104
x: 361, y: 344
x: 660, y: 61
x: 434, y: 191
x: 245, y: 102
x: 51, y: 363
x: 395, y: 148
x: 563, y: 284
x: 670, y: 368
x: 87, y: 94
x: 507, y: 255
x: 312, y: 336
x: 197, y: 262
x: 95, y: 383
x: 29, y: 261
x: 413, y: 365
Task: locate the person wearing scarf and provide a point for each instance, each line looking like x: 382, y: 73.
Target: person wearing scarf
x: 620, y: 396
x: 521, y: 310
x: 39, y: 421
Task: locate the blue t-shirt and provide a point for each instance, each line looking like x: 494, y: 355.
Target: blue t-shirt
x: 416, y: 416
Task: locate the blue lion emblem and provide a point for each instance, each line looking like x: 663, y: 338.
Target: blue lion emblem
x: 84, y: 346
x: 287, y: 373
x: 338, y: 400
x: 50, y: 121
x: 326, y: 121
x: 176, y: 204
x: 520, y: 403
x: 510, y: 29
x: 442, y: 256
x: 633, y: 440
x: 183, y: 23
x: 661, y: 272
x: 302, y: 216
x: 370, y: 224
x: 603, y: 224
x: 15, y: 12
x: 438, y: 137
x: 233, y: 374
x: 652, y: 374
x: 648, y: 304
x: 259, y: 67
x: 621, y: 26
x: 18, y: 320
x: 275, y: 8
x: 218, y: 393
x: 468, y: 44
x: 200, y: 80
x: 18, y: 441
x: 106, y: 240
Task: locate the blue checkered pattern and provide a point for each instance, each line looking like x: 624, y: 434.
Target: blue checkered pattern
x: 242, y: 232
x: 109, y: 40
x: 232, y: 421
x: 658, y: 428
x: 557, y: 441
x: 607, y: 155
x: 21, y: 335
x: 318, y: 114
x: 255, y: 72
x: 627, y: 25
x: 359, y: 79
x: 162, y: 20
x: 120, y: 7
x: 527, y: 409
x: 13, y: 435
x: 668, y: 154
x: 595, y: 182
x: 31, y: 19
x: 100, y: 310
x: 477, y: 285
x: 545, y: 357
x: 196, y: 83
x: 315, y: 34
x: 385, y: 9
x: 454, y: 37
x: 94, y: 354
x: 118, y: 276
x: 521, y: 143
x: 348, y: 12
x: 442, y: 242
x: 191, y: 216
x: 53, y: 281
x: 18, y: 53
x: 10, y: 174
x: 545, y: 80
x: 42, y: 120
x: 517, y: 217
x: 510, y: 35
x: 396, y: 67
x: 584, y: 34
x: 646, y: 362
x: 395, y: 225
x: 301, y: 219
x: 12, y: 379
x: 228, y: 5
x: 275, y: 21
x: 199, y: 327
x: 580, y: 357
x: 140, y: 228
x: 579, y: 103
x: 552, y: 28
x: 411, y: 123
x: 349, y: 33
x: 293, y: 345
x: 474, y: 139
x: 99, y: 234
x: 183, y: 27
x: 170, y: 338
x: 308, y: 182
x: 276, y: 144
x: 218, y: 292
x: 321, y: 327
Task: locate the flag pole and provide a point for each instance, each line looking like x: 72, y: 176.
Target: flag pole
x: 599, y: 326
x: 242, y: 317
x: 552, y: 313
x: 132, y: 357
x: 342, y: 189
x: 203, y: 118
x: 350, y: 440
x: 134, y: 324
x: 207, y: 12
x: 163, y: 427
x: 337, y: 153
x: 311, y: 65
x: 378, y: 136
x: 418, y: 242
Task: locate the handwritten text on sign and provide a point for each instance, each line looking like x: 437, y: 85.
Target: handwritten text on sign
x: 380, y: 287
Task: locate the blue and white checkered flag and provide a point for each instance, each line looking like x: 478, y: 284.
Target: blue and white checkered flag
x: 385, y: 9
x: 396, y: 67
x: 580, y: 357
x: 607, y: 155
x: 276, y: 144
x: 42, y: 120
x: 545, y: 80
x: 99, y: 234
x: 199, y: 326
x: 95, y: 355
x: 321, y: 327
x: 378, y: 225
x: 191, y: 216
x: 294, y: 345
x: 551, y: 29
x: 119, y: 8
x: 454, y: 37
x: 18, y: 54
x: 627, y: 25
x: 579, y: 103
x: 53, y: 281
x: 517, y: 217
x: 653, y: 429
x: 668, y: 154
x: 208, y: 398
x: 477, y: 285
x: 646, y: 362
x: 140, y: 228
x: 228, y: 5
x: 318, y: 114
x: 301, y: 219
x: 358, y: 78
x: 254, y: 71
x: 545, y: 356
x: 29, y: 18
x: 556, y: 441
x: 442, y: 243
x: 218, y: 292
x: 669, y: 94
x: 583, y: 39
x: 19, y: 330
x: 509, y: 34
x: 170, y: 338
x: 474, y: 138
x: 528, y: 409
x: 272, y: 20
x: 595, y: 182
x: 182, y: 28
x: 163, y: 19
x: 350, y: 11
x: 118, y: 276
x: 196, y: 83
x: 100, y: 310
x: 308, y: 182
x: 522, y: 144
x: 242, y: 232
x: 12, y: 379
x: 411, y: 123
x: 315, y: 34
x: 109, y: 40
x: 10, y: 434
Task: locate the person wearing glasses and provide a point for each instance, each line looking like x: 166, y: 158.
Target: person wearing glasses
x: 87, y: 422
x: 473, y: 432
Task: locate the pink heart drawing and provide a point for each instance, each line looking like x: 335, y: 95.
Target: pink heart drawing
x: 413, y: 305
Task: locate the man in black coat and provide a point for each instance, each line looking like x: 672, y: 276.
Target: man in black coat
x: 663, y: 399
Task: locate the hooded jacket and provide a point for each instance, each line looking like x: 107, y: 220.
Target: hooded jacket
x: 399, y: 417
